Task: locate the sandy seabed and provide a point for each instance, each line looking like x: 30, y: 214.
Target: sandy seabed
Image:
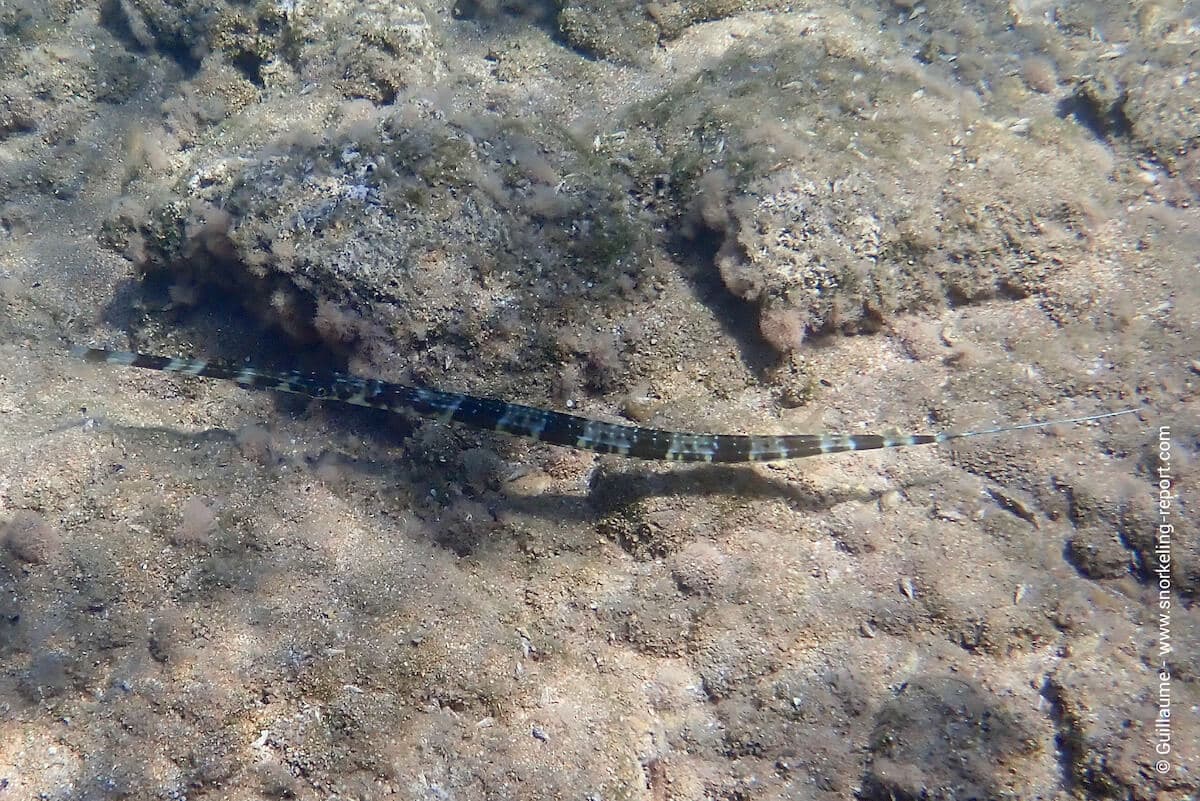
x: 740, y: 217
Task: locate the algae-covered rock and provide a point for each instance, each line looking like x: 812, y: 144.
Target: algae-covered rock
x: 843, y: 187
x: 625, y: 30
x: 399, y: 225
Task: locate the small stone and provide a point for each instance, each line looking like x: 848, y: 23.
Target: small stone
x: 28, y: 537
x: 889, y: 500
x: 1013, y: 501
